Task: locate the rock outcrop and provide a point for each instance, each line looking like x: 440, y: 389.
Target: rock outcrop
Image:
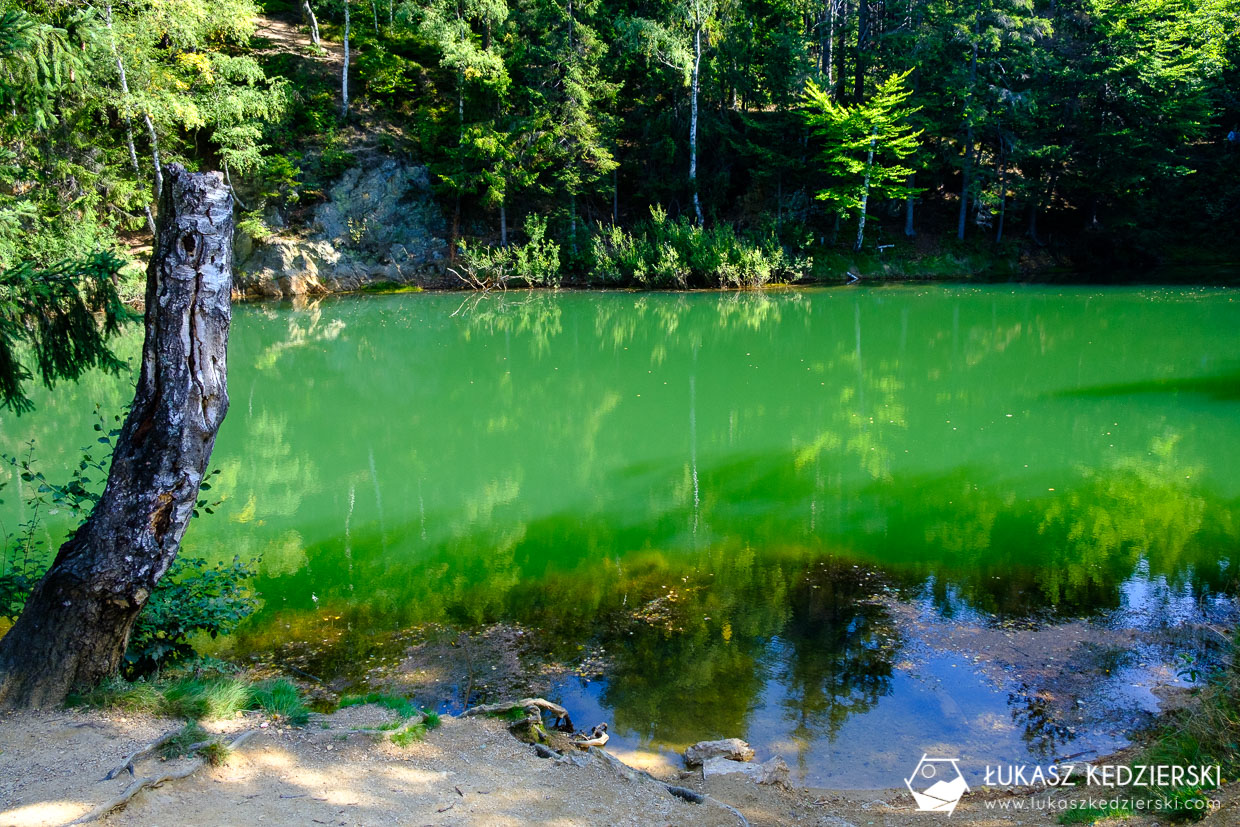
x: 774, y: 771
x: 733, y: 749
x: 380, y: 223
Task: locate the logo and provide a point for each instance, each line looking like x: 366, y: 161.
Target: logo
x: 937, y: 784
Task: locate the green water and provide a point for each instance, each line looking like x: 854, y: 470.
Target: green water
x: 756, y: 476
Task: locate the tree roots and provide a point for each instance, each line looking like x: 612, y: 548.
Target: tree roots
x: 140, y: 784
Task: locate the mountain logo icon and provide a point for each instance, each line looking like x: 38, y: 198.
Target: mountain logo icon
x: 937, y: 784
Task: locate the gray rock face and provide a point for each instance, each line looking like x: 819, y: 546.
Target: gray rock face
x: 379, y: 224
x: 774, y: 771
x: 733, y: 749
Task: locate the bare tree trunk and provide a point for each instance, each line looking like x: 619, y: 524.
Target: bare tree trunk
x: 966, y: 170
x: 615, y: 194
x: 693, y: 120
x: 159, y: 170
x: 374, y: 9
x: 828, y: 44
x: 311, y: 21
x: 909, y: 229
x: 344, y: 72
x: 865, y: 191
x: 503, y: 225
x: 133, y: 153
x: 964, y: 184
x: 1002, y: 161
x: 863, y: 35
x: 842, y: 51
x: 77, y: 621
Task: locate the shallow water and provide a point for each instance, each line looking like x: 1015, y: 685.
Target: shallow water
x: 729, y: 493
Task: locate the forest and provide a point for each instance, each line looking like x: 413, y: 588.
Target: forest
x: 647, y: 142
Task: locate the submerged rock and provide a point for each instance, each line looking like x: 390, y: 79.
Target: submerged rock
x: 379, y: 224
x: 731, y: 749
x: 774, y: 771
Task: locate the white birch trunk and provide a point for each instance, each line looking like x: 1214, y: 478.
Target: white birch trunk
x: 865, y: 190
x: 344, y: 72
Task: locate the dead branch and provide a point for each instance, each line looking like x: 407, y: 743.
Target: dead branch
x: 525, y: 704
x: 140, y: 784
x: 508, y: 706
x: 149, y: 749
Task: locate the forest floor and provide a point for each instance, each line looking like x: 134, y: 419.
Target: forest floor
x: 468, y: 771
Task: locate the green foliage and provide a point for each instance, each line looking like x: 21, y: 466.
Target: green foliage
x: 1076, y: 814
x: 189, y: 697
x: 864, y: 147
x: 51, y: 311
x: 193, y: 597
x: 196, y: 698
x: 534, y: 263
x: 1101, y: 123
x: 1205, y: 734
x: 401, y: 706
x: 280, y: 699
x: 666, y: 253
x: 181, y: 743
x: 400, y: 734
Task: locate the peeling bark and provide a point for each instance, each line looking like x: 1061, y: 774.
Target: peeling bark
x: 77, y: 621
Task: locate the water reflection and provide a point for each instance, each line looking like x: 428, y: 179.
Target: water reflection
x: 738, y: 497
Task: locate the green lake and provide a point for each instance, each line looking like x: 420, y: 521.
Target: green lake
x: 771, y: 511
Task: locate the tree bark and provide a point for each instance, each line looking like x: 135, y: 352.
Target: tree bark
x: 840, y: 69
x: 865, y: 190
x: 312, y: 21
x: 910, y: 228
x: 693, y: 119
x: 159, y: 170
x: 77, y: 621
x: 1002, y: 162
x: 863, y: 36
x: 344, y: 72
x: 133, y: 153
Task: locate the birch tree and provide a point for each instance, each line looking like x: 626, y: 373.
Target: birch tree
x: 864, y: 147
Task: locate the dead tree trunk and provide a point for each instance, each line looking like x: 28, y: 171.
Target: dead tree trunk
x: 311, y: 21
x: 77, y: 621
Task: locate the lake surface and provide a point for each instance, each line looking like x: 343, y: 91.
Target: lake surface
x: 776, y: 514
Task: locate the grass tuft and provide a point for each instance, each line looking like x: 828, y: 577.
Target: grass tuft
x: 215, y: 753
x: 401, y: 706
x: 180, y: 744
x: 196, y: 699
x: 410, y: 734
x: 191, y: 698
x: 199, y: 699
x: 280, y: 699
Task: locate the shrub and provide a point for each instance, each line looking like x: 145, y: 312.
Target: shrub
x: 665, y: 253
x: 536, y: 263
x: 194, y: 597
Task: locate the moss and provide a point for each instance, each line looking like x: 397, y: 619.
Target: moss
x: 387, y: 287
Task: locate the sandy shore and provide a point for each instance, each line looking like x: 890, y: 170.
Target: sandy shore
x: 469, y: 771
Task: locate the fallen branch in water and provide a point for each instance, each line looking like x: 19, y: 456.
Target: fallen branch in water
x: 141, y: 784
x: 523, y: 704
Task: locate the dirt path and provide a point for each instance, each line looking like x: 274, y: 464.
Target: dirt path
x: 286, y: 35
